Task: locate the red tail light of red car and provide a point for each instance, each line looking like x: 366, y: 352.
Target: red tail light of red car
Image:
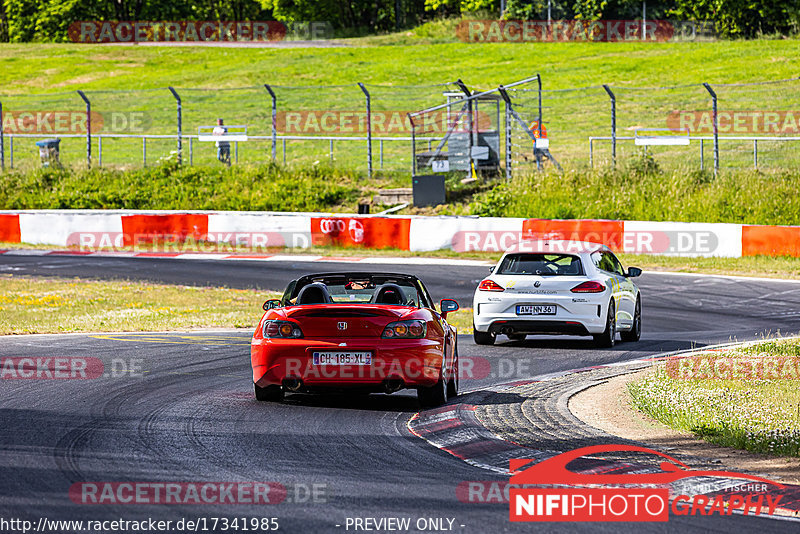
x: 282, y: 329
x: 405, y: 330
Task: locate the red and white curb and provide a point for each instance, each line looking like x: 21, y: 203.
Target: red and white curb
x: 456, y: 429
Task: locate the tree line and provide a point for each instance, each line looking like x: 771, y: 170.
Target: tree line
x: 49, y: 20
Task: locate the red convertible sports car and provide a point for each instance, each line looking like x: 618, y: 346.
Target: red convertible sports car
x: 374, y: 332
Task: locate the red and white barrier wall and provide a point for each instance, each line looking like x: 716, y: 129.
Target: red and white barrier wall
x: 118, y: 229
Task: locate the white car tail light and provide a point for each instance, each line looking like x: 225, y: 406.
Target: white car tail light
x: 490, y: 285
x: 589, y: 287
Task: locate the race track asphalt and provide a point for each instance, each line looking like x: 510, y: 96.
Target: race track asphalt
x: 179, y: 407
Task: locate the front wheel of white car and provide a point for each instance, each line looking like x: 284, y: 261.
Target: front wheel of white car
x: 609, y: 335
x: 636, y: 330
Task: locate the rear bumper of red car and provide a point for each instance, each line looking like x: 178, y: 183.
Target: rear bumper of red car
x: 415, y: 362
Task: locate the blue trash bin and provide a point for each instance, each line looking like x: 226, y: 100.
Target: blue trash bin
x: 48, y: 151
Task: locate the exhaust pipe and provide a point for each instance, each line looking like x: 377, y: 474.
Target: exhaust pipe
x: 292, y: 384
x: 390, y: 385
x: 507, y: 330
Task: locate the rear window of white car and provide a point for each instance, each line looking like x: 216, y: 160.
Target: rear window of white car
x: 541, y: 264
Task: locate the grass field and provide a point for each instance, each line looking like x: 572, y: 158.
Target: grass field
x: 269, y: 188
x: 57, y: 305
x: 736, y: 197
x: 135, y: 78
x: 767, y: 414
x: 632, y: 194
x: 44, y: 68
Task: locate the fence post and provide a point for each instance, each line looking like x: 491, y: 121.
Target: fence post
x: 88, y: 129
x: 613, y: 125
x: 539, y: 121
x: 508, y: 143
x: 2, y: 142
x: 702, y: 154
x: 180, y: 124
x: 716, y: 126
x: 274, y: 119
x: 755, y: 153
x: 413, y: 145
x: 369, y: 129
x: 471, y: 116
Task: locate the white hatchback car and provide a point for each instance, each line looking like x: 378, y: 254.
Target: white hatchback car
x: 558, y: 287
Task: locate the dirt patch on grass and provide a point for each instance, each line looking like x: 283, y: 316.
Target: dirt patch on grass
x: 608, y: 408
x: 91, y: 77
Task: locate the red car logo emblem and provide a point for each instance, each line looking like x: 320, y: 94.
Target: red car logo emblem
x: 341, y: 325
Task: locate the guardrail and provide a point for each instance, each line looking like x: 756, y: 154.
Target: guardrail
x: 196, y: 138
x: 702, y: 139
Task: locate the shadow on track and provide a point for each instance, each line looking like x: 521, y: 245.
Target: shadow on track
x: 376, y: 402
x: 645, y: 346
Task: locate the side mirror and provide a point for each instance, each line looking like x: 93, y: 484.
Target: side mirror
x: 491, y: 269
x: 447, y: 306
x: 633, y: 272
x: 271, y: 303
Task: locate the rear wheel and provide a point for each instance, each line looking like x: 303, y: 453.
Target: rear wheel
x: 268, y: 393
x: 609, y: 335
x: 636, y: 330
x: 435, y: 395
x: 452, y: 385
x: 517, y: 337
x: 482, y: 338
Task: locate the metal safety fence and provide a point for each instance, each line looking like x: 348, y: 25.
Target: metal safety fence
x: 369, y: 127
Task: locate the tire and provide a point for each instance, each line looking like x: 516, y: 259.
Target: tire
x: 609, y: 335
x: 517, y: 337
x: 452, y: 385
x: 268, y: 393
x: 482, y: 338
x: 636, y: 330
x: 435, y: 395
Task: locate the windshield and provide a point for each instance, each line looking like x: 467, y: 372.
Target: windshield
x: 541, y: 264
x: 356, y: 293
x: 354, y: 290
